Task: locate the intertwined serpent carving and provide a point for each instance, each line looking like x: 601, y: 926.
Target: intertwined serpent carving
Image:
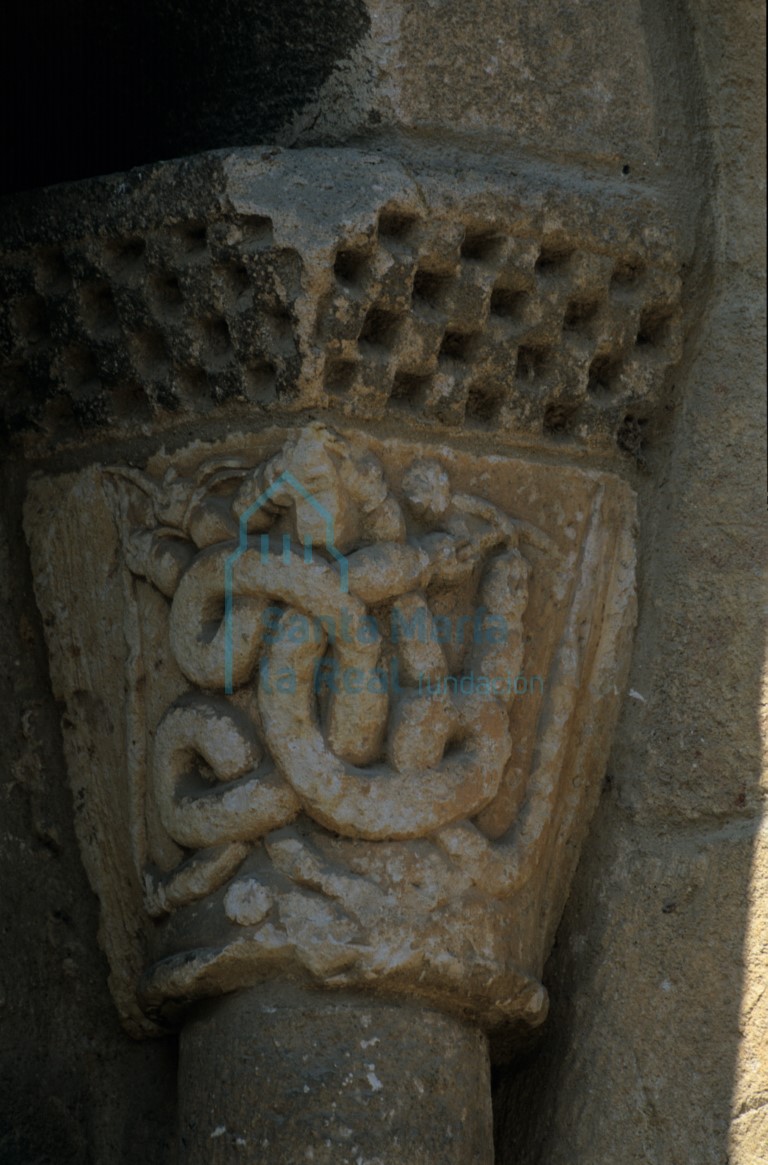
x: 357, y: 756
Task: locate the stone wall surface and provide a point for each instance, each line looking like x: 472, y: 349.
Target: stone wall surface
x: 661, y: 1048
x: 526, y: 75
x: 570, y: 195
x: 74, y: 1087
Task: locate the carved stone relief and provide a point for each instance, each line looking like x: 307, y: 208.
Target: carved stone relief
x: 531, y: 305
x: 337, y: 709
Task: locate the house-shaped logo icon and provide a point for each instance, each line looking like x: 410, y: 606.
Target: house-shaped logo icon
x: 244, y: 544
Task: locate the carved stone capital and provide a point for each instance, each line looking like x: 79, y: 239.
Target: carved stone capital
x: 337, y: 709
x: 341, y: 662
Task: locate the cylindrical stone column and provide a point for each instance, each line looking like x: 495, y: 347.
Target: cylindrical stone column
x: 283, y: 1076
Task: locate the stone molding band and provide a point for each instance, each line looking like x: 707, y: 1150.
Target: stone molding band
x: 268, y: 283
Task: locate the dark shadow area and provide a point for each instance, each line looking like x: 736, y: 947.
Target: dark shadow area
x: 638, y: 1054
x: 73, y: 1086
x: 92, y: 87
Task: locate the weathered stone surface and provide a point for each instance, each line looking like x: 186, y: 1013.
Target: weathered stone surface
x: 515, y: 74
x: 569, y: 81
x: 653, y: 936
x: 540, y: 307
x: 73, y: 1087
x: 659, y: 1045
x: 748, y: 1133
x: 400, y: 663
x: 282, y: 1075
x: 625, y: 1072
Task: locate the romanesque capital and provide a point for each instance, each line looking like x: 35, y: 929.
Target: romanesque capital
x: 341, y: 659
x: 338, y: 709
